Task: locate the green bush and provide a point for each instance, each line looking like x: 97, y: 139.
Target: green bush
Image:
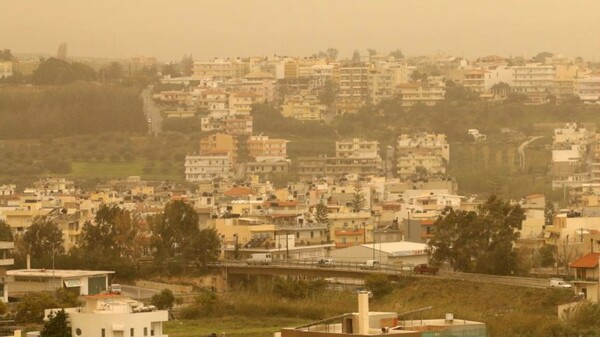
x: 379, y: 284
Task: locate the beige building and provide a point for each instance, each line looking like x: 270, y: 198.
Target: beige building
x: 413, y: 93
x: 221, y: 69
x: 303, y: 111
x: 219, y: 143
x: 474, y: 80
x: 383, y: 80
x: 261, y: 148
x: 353, y: 88
x: 430, y: 152
x: 240, y: 103
x: 357, y: 148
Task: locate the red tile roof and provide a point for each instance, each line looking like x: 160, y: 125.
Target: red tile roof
x: 589, y: 260
x: 237, y: 192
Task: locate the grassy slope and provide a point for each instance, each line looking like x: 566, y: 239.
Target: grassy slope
x: 508, y: 311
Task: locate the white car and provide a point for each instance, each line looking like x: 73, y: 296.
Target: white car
x: 558, y: 283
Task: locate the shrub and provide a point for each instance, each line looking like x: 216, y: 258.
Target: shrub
x: 379, y: 284
x: 163, y: 300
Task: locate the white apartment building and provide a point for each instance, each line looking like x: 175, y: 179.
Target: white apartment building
x: 588, y: 88
x: 496, y: 75
x: 534, y: 80
x: 207, y: 167
x: 357, y: 148
x: 109, y: 315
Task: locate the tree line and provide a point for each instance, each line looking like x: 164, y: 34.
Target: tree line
x: 117, y: 239
x: 78, y: 108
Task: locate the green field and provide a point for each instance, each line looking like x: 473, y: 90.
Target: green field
x: 231, y: 326
x: 506, y: 310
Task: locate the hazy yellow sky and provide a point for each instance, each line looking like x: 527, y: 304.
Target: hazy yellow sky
x: 171, y: 28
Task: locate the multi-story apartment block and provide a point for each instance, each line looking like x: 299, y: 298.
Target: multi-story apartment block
x: 534, y: 80
x: 408, y: 164
x: 219, y: 68
x: 423, y: 143
x: 261, y: 148
x: 240, y: 103
x: 336, y: 167
x: 292, y: 86
x: 413, y: 93
x: 353, y: 88
x: 431, y: 152
x: 239, y: 126
x: 219, y: 143
x: 381, y: 84
x: 212, y: 99
x: 357, y: 148
x: 207, y: 167
x: 588, y: 88
x: 474, y: 80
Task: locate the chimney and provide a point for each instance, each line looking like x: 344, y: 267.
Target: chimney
x: 363, y: 312
x: 28, y: 261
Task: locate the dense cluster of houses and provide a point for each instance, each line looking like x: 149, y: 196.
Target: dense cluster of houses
x: 307, y: 88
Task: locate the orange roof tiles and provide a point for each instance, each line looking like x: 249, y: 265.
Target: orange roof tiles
x: 589, y: 260
x: 238, y: 192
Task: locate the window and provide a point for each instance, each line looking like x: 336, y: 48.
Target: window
x: 145, y: 332
x: 131, y: 332
x: 103, y: 332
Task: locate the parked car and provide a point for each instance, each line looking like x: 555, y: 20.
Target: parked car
x: 369, y: 264
x: 326, y: 263
x: 425, y: 269
x: 115, y: 288
x: 559, y: 283
x: 260, y: 258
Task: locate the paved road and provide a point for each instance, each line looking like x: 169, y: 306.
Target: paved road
x: 522, y: 150
x: 138, y: 293
x: 151, y: 111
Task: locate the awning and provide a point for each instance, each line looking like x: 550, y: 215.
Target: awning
x: 72, y: 283
x: 117, y: 327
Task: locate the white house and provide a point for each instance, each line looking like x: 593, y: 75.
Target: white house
x: 110, y: 315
